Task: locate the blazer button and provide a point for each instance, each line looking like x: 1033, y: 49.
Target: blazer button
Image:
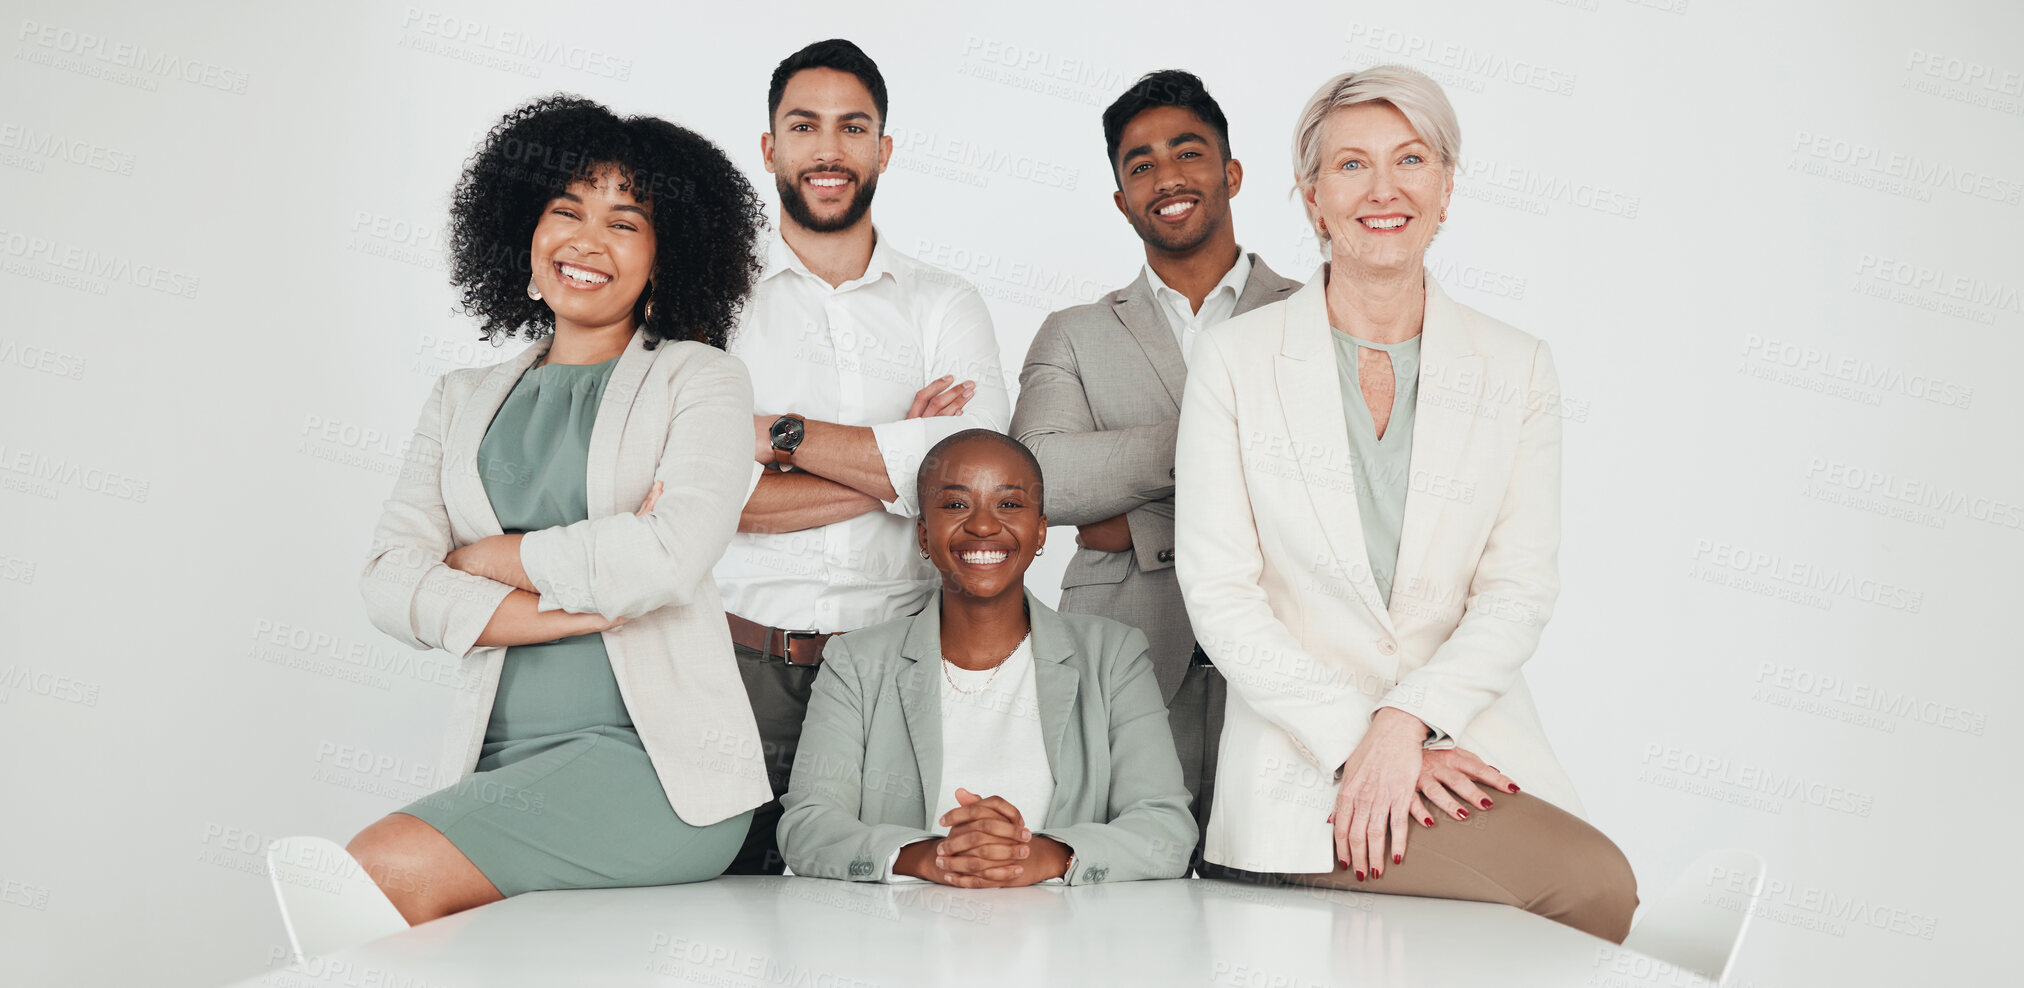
x: 1095, y: 874
x: 1387, y: 646
x: 1166, y: 555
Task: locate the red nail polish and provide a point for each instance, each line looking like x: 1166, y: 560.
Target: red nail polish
x: 1398, y: 859
x: 1430, y: 821
x: 1359, y: 876
x: 1514, y: 787
x: 1486, y: 802
x: 1464, y: 813
x: 1345, y: 864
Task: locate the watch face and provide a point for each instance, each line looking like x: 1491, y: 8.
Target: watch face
x: 786, y: 433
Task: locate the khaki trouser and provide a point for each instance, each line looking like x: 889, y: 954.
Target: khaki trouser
x: 1523, y: 852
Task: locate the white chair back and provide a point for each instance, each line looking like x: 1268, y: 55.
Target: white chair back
x: 327, y: 901
x: 1698, y: 923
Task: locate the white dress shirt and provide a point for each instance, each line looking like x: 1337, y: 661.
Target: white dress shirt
x: 991, y: 742
x: 855, y: 354
x: 1220, y: 304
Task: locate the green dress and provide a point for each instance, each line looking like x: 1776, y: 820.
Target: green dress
x: 1383, y: 466
x: 563, y: 795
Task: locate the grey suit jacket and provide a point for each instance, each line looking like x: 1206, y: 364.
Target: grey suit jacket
x: 1100, y: 406
x: 681, y: 414
x: 871, y: 751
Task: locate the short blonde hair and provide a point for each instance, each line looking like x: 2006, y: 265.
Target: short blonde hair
x: 1421, y: 99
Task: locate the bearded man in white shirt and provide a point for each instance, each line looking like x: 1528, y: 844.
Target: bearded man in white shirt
x: 861, y: 359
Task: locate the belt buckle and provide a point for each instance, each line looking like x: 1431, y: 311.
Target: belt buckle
x: 787, y: 639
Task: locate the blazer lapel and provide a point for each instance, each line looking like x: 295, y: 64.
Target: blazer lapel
x: 1139, y: 311
x: 1444, y: 418
x: 920, y: 686
x: 463, y: 485
x: 1264, y: 287
x: 1055, y: 686
x: 1310, y: 395
x: 601, y: 460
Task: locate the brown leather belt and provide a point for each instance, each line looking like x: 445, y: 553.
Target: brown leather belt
x: 799, y: 648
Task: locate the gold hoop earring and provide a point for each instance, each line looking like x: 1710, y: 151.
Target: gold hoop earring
x: 647, y: 312
x: 532, y: 291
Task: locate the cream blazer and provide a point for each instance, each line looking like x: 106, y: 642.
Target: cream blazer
x: 680, y: 414
x: 1270, y: 555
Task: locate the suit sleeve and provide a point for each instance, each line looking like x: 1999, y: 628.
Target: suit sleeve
x: 1515, y: 585
x: 626, y: 565
x: 1091, y: 474
x: 820, y: 832
x: 409, y: 592
x: 1150, y: 833
x: 1219, y: 561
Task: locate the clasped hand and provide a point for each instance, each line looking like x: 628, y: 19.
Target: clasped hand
x: 988, y: 846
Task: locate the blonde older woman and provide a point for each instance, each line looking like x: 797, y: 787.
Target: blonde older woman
x: 1368, y: 513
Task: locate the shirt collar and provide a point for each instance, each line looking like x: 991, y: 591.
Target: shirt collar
x: 780, y: 257
x: 1233, y: 279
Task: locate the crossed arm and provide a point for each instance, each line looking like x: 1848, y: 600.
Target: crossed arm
x: 1096, y: 477
x: 839, y: 471
x: 588, y: 576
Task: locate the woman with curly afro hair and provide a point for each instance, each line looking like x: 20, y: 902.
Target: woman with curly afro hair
x: 556, y: 521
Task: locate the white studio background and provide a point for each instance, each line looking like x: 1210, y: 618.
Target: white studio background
x: 1773, y: 245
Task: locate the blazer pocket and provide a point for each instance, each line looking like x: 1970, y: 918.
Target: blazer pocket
x: 1091, y: 566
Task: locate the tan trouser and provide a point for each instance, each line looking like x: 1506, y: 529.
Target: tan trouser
x: 1523, y: 851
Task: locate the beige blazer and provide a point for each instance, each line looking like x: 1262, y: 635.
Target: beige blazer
x: 1272, y: 563
x: 681, y: 414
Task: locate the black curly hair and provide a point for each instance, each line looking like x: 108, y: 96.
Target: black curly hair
x: 706, y: 217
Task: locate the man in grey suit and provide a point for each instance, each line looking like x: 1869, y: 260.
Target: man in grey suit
x: 1100, y: 395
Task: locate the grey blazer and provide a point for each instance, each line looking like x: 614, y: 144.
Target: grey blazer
x: 681, y: 414
x: 873, y: 737
x: 1100, y: 406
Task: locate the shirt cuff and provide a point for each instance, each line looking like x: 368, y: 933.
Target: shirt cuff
x: 901, y: 445
x: 892, y: 879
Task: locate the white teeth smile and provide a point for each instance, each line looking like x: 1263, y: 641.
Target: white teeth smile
x: 1175, y: 209
x: 1387, y: 223
x: 582, y: 276
x: 826, y: 183
x: 983, y: 556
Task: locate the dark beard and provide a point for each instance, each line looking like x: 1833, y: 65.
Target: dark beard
x: 1153, y: 232
x: 796, y: 204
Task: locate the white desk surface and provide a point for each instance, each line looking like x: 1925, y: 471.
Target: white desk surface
x: 820, y: 933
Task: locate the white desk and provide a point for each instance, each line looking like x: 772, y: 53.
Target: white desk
x: 818, y: 933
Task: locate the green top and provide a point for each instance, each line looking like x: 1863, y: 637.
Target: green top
x: 1382, y: 465
x: 533, y: 461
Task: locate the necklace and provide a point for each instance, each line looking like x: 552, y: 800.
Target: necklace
x: 994, y: 669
